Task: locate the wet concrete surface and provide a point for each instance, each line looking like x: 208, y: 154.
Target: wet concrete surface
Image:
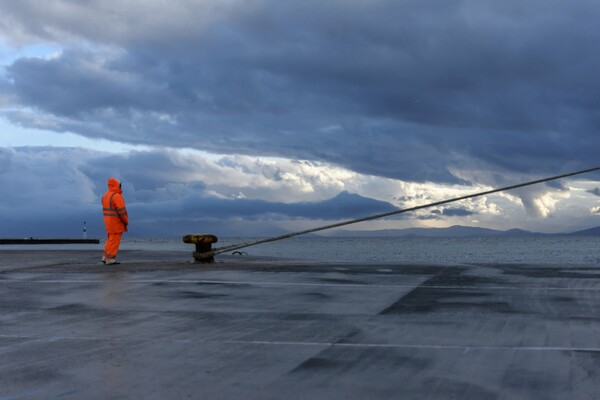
x: 160, y: 327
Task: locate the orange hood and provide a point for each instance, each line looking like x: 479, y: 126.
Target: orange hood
x: 114, y: 185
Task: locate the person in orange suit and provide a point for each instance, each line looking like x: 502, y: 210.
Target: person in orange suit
x: 115, y: 220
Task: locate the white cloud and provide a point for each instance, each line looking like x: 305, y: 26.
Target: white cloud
x: 540, y: 200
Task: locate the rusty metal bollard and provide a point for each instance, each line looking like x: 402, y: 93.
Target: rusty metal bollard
x: 204, y: 252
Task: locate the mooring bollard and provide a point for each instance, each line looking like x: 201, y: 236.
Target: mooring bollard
x: 204, y: 252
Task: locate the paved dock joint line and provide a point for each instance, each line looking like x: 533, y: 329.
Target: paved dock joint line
x: 466, y: 348
x: 259, y: 283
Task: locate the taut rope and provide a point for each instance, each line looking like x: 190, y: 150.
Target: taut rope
x: 225, y: 249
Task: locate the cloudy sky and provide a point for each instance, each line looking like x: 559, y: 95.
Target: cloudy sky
x: 254, y: 117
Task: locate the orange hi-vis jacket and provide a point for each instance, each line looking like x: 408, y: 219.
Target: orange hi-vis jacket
x: 113, y: 208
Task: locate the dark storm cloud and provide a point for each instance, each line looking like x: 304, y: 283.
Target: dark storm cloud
x: 594, y: 191
x: 456, y: 212
x: 408, y: 90
x: 5, y: 159
x: 148, y: 176
x: 559, y: 185
x: 438, y: 214
x: 74, y: 85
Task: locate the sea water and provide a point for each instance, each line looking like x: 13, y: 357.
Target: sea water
x: 531, y: 250
x: 415, y: 250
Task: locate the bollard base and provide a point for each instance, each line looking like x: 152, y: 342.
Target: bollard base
x: 204, y: 257
x: 203, y: 242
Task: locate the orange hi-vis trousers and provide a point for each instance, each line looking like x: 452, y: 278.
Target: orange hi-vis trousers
x: 111, y: 247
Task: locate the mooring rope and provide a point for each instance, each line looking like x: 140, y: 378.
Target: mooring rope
x: 225, y: 249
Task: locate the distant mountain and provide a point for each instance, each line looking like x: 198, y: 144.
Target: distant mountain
x: 587, y: 232
x: 452, y: 231
x: 458, y: 231
x: 521, y: 233
x: 344, y: 205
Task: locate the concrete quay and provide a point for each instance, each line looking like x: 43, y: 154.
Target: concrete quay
x: 161, y: 327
